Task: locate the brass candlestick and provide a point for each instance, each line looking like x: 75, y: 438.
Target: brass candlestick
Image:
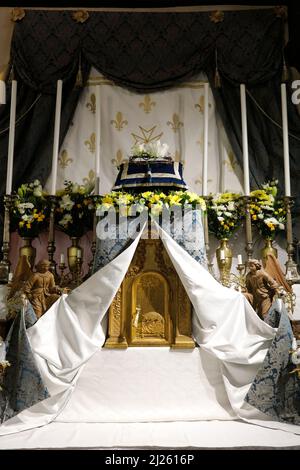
x: 5, y: 263
x: 51, y: 239
x: 78, y: 271
x: 248, y: 227
x: 95, y: 220
x: 292, y: 274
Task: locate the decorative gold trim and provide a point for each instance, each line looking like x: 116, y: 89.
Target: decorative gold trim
x: 64, y: 160
x: 91, y: 105
x: 216, y: 16
x: 91, y: 142
x: 119, y: 122
x: 17, y: 14
x: 147, y: 135
x: 147, y: 104
x: 281, y: 11
x: 80, y: 16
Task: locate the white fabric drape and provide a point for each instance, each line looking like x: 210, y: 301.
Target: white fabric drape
x: 174, y: 116
x: 225, y: 325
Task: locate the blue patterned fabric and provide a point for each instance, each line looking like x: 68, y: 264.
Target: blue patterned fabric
x: 274, y: 390
x: 22, y: 383
x: 190, y: 239
x: 150, y: 174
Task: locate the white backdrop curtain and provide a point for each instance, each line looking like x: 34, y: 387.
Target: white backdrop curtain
x: 174, y: 116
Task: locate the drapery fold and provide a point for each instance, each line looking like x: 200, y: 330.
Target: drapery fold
x: 147, y: 51
x: 225, y: 325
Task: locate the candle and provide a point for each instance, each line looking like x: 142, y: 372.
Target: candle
x: 78, y: 254
x: 11, y: 140
x: 222, y: 254
x: 62, y: 258
x: 285, y: 133
x: 98, y: 134
x: 205, y: 142
x: 240, y: 259
x: 56, y: 136
x: 245, y: 140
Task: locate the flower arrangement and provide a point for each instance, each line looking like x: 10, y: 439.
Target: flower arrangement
x: 30, y: 211
x: 267, y: 210
x: 154, y: 201
x: 150, y: 150
x: 75, y: 204
x: 224, y: 214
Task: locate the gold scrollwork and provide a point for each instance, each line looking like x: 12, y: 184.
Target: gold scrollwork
x: 119, y: 122
x: 91, y: 143
x: 175, y: 124
x: 91, y: 105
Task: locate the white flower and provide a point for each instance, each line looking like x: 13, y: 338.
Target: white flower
x: 231, y: 206
x: 66, y: 202
x: 65, y: 220
x: 281, y: 226
x: 37, y: 192
x: 228, y: 214
x: 220, y: 219
x: 260, y: 216
x: 271, y: 220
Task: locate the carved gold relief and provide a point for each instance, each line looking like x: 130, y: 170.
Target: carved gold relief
x: 91, y: 105
x: 147, y: 104
x: 64, y: 160
x: 147, y: 135
x: 119, y: 122
x: 80, y: 16
x: 151, y: 307
x: 175, y: 124
x: 91, y: 143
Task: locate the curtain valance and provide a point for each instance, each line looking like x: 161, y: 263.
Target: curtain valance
x: 147, y: 51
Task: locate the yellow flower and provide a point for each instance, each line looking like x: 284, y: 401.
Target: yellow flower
x: 254, y: 217
x: 147, y: 194
x: 21, y: 223
x: 28, y: 225
x: 107, y: 200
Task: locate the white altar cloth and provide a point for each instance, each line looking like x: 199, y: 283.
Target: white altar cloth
x: 148, y: 384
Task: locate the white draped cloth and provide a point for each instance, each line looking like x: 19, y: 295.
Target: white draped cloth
x: 70, y: 333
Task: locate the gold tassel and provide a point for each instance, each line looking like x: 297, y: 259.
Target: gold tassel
x: 217, y: 74
x: 79, y: 80
x: 217, y: 79
x: 285, y: 72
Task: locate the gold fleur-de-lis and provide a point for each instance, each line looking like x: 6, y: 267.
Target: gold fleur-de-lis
x: 119, y: 122
x: 64, y: 160
x: 200, y: 104
x: 91, y: 105
x: 200, y: 141
x: 176, y: 124
x: 90, y: 179
x: 91, y: 143
x: 147, y: 104
x: 119, y: 158
x: 199, y: 180
x: 231, y: 162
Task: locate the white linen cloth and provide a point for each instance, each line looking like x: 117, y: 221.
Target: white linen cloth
x: 225, y: 325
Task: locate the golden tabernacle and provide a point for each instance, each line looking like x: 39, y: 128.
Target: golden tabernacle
x: 151, y: 307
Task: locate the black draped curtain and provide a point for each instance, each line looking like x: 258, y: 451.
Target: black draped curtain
x: 147, y: 52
